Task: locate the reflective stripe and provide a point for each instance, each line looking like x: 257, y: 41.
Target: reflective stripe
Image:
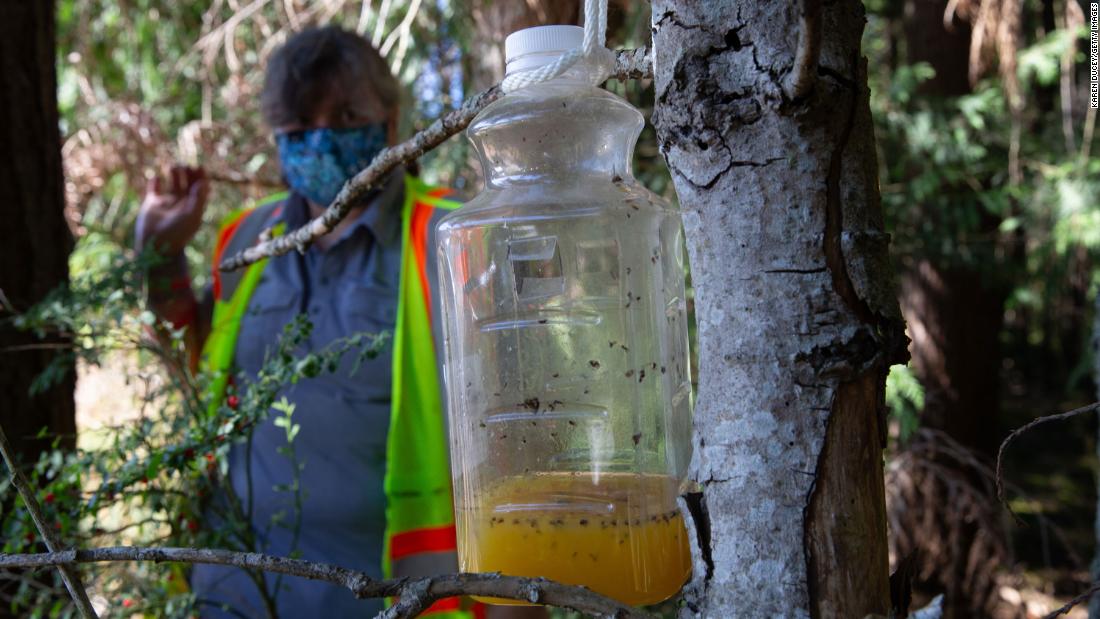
x: 418, y: 234
x: 426, y: 563
x: 438, y: 539
x: 442, y: 606
x: 224, y: 235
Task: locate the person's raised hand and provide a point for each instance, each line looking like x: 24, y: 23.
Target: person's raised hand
x: 171, y: 212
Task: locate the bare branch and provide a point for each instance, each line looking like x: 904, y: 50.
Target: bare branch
x: 68, y: 572
x: 415, y: 594
x: 629, y: 64
x: 1018, y: 431
x: 800, y: 81
x: 1084, y: 597
x: 633, y: 64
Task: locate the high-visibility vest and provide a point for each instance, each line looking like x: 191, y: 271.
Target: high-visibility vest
x: 420, y: 529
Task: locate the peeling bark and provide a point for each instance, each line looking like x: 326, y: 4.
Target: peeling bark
x: 796, y: 306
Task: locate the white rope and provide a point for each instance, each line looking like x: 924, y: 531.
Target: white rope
x: 592, y: 48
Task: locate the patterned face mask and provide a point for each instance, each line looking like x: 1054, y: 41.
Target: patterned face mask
x: 317, y: 162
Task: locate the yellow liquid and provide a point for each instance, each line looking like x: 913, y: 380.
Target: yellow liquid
x: 618, y: 534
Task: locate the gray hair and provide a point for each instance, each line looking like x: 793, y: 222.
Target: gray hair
x: 312, y: 62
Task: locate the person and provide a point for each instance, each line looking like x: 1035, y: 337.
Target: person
x: 375, y: 481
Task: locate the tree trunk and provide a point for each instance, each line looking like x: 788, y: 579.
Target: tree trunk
x: 797, y: 312
x: 37, y: 241
x: 34, y: 254
x: 955, y: 320
x: 1094, y: 601
x: 954, y: 315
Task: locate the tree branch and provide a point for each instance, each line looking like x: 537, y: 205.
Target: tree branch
x: 69, y: 574
x: 416, y: 594
x: 629, y: 64
x: 1084, y: 597
x: 800, y: 81
x: 1017, y: 432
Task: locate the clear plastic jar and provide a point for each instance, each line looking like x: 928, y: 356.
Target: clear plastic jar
x: 566, y: 347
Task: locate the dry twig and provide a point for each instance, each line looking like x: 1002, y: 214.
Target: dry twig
x: 629, y: 64
x: 1017, y: 432
x: 68, y: 572
x: 415, y: 594
x: 1080, y: 599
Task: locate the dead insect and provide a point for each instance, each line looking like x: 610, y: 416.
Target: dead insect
x: 641, y: 375
x: 637, y: 438
x: 532, y: 403
x: 629, y: 373
x: 594, y: 363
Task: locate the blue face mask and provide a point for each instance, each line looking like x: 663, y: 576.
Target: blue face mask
x: 317, y: 162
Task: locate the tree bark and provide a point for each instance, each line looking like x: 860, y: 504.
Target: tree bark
x: 35, y: 251
x: 795, y: 302
x: 1094, y: 568
x: 37, y: 241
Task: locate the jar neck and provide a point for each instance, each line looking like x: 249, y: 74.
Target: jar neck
x: 563, y: 130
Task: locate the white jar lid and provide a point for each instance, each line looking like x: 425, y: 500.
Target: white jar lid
x: 534, y: 47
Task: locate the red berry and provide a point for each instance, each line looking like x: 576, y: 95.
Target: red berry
x: 209, y: 457
x: 233, y: 401
x: 30, y: 537
x: 127, y: 603
x: 192, y: 526
x: 49, y: 497
x: 189, y: 453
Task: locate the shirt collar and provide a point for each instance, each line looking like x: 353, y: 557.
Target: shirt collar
x: 381, y: 217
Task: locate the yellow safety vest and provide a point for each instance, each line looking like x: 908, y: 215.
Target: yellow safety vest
x: 420, y: 529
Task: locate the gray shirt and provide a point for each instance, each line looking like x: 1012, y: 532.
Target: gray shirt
x: 350, y: 287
